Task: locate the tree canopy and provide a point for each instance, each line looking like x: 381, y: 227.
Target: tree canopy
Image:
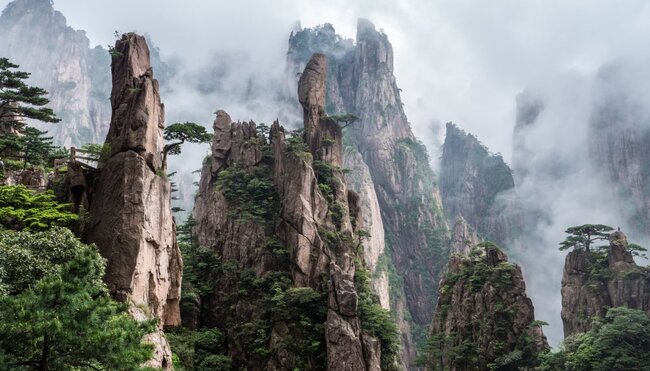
x: 22, y: 208
x: 584, y: 236
x: 620, y: 341
x: 345, y: 119
x: 181, y: 133
x: 55, y: 310
x: 18, y: 100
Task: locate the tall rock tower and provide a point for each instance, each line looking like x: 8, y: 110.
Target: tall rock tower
x: 131, y: 220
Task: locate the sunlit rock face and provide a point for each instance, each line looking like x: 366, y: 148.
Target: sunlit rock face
x: 130, y: 208
x: 389, y: 170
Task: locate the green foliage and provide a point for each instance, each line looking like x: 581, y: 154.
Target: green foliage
x: 328, y: 181
x: 181, y: 133
x: 620, y: 341
x: 376, y: 320
x: 21, y: 208
x: 344, y: 119
x: 200, y: 350
x: 462, y: 350
x: 583, y: 236
x: 18, y: 100
x: 63, y: 318
x: 99, y: 152
x: 36, y: 147
x: 296, y: 145
x: 251, y: 194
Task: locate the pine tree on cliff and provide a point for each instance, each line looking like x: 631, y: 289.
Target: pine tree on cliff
x: 584, y: 236
x: 185, y: 132
x: 19, y: 101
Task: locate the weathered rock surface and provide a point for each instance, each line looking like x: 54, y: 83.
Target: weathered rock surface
x: 482, y: 303
x: 593, y: 282
x: 463, y: 237
x: 130, y: 201
x: 477, y: 185
x: 361, y: 82
x: 60, y: 60
x: 314, y: 227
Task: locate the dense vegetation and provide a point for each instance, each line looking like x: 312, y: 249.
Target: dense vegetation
x: 55, y: 310
x: 620, y: 341
x: 488, y: 342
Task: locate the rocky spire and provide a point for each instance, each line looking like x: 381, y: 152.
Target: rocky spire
x: 130, y: 209
x: 482, y: 302
x: 595, y: 281
x: 307, y: 213
x: 392, y: 176
x: 324, y: 135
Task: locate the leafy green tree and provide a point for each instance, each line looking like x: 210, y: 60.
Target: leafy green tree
x: 64, y: 318
x: 22, y: 208
x: 583, y: 236
x: 36, y: 147
x: 620, y: 341
x: 181, y: 133
x: 18, y: 100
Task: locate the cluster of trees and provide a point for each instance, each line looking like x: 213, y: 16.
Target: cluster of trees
x: 19, y: 102
x: 55, y: 311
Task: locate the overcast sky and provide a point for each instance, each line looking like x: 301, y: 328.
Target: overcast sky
x: 456, y: 60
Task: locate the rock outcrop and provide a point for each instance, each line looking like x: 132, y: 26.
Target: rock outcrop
x: 483, y: 316
x: 478, y: 186
x: 61, y: 61
x: 463, y: 237
x: 392, y: 171
x: 293, y: 234
x: 130, y: 210
x: 595, y: 281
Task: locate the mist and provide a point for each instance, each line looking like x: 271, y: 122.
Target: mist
x: 460, y: 61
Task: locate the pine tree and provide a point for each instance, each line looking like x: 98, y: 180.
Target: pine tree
x: 61, y: 317
x: 19, y: 101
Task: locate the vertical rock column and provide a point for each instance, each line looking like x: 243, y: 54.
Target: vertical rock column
x: 130, y: 211
x: 324, y: 137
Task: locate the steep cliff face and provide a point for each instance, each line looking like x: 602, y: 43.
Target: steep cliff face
x: 595, y: 281
x: 408, y: 211
x: 130, y: 210
x: 483, y: 316
x: 619, y: 142
x: 279, y: 221
x: 475, y: 184
x: 60, y: 60
x: 463, y: 237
